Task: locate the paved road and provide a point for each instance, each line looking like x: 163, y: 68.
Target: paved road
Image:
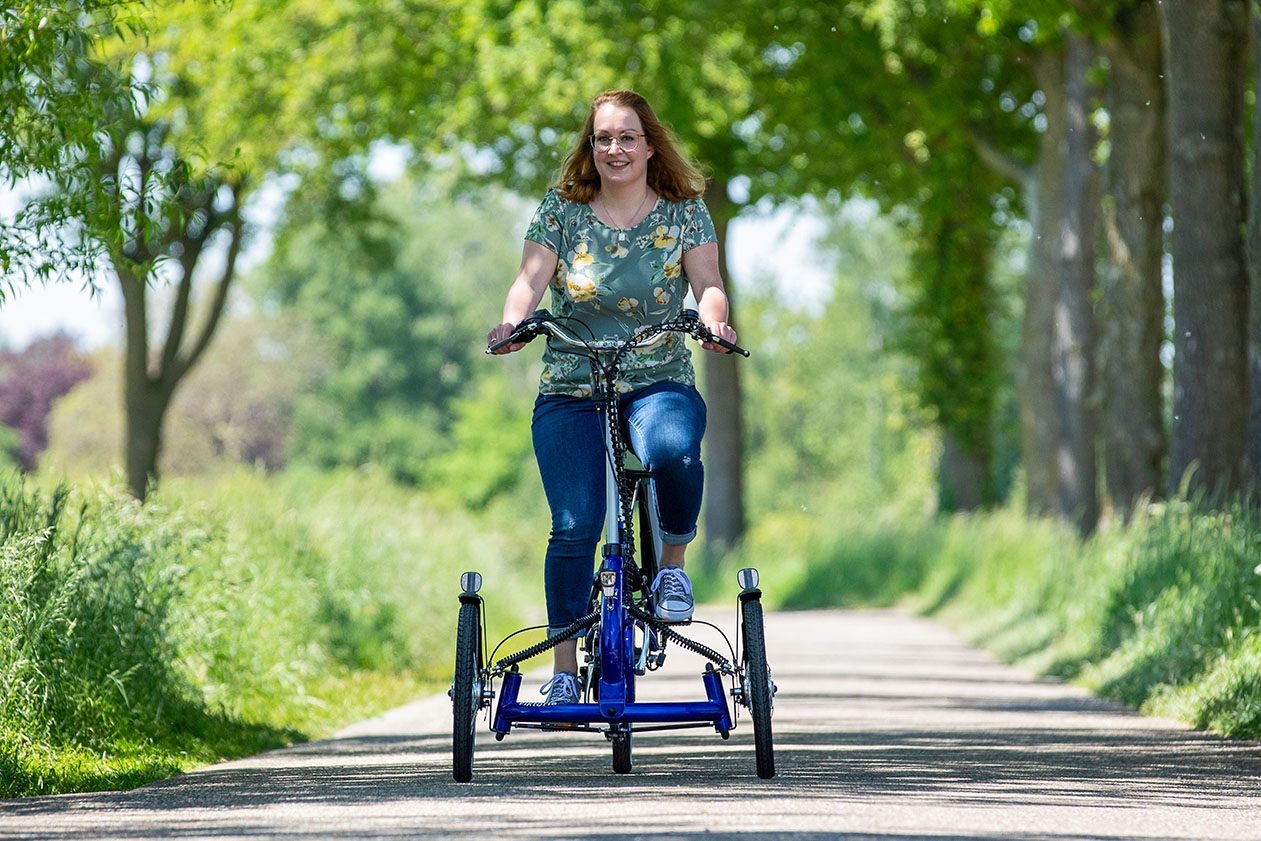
x: 887, y: 727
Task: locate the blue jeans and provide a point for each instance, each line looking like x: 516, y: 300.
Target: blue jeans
x: 664, y: 423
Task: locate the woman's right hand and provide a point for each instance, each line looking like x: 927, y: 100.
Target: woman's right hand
x: 503, y: 331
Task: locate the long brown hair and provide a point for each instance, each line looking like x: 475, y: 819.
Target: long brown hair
x: 670, y: 173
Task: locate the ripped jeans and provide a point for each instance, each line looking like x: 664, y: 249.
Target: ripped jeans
x: 664, y: 423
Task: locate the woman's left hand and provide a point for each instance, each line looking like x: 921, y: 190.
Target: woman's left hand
x: 722, y: 330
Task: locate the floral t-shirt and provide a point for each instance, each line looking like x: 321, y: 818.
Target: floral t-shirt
x: 615, y: 280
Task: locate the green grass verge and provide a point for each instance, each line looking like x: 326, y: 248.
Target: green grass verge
x: 224, y: 617
x: 1163, y: 613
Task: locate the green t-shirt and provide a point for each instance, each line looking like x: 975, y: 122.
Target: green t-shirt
x: 615, y: 280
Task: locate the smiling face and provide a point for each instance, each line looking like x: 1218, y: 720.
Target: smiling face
x: 616, y: 166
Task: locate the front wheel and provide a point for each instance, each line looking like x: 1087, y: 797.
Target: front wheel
x: 622, y: 752
x: 466, y: 691
x: 759, y: 691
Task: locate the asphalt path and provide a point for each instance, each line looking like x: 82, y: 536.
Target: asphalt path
x: 887, y: 726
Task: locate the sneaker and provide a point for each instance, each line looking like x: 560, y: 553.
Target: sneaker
x: 673, y: 591
x: 561, y: 689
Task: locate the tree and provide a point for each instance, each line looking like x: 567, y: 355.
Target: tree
x: 1073, y: 362
x: 1058, y: 443
x: 835, y: 427
x: 168, y: 216
x: 1132, y: 303
x: 1205, y: 61
x: 231, y: 96
x: 950, y: 336
x: 236, y: 408
x: 55, y: 97
x: 904, y: 103
x: 389, y: 282
x: 1254, y: 267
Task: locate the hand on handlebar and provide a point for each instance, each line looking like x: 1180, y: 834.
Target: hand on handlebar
x: 720, y: 330
x: 499, y: 333
x: 509, y: 337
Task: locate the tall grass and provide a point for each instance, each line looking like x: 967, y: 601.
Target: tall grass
x: 1163, y: 613
x: 219, y: 619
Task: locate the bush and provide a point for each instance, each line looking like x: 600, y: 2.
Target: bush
x: 30, y: 380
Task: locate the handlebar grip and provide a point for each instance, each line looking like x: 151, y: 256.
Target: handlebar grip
x: 730, y: 346
x: 526, y: 331
x: 491, y: 348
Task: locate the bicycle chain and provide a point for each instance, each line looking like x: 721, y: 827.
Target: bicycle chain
x: 724, y: 665
x: 633, y: 574
x: 577, y: 626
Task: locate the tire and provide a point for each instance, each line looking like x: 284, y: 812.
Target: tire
x: 648, y: 560
x: 466, y: 691
x: 757, y: 681
x: 622, y: 752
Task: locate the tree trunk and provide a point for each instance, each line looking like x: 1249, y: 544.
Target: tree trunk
x: 963, y: 475
x: 150, y: 378
x: 1039, y: 419
x: 145, y: 400
x: 1073, y: 347
x: 952, y: 334
x: 724, y: 436
x: 1254, y: 271
x: 146, y: 407
x: 1132, y: 301
x: 1205, y: 71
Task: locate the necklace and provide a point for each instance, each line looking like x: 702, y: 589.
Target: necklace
x: 613, y: 218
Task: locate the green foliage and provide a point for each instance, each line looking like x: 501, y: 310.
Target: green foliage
x: 94, y: 690
x: 1161, y: 613
x: 829, y: 421
x: 491, y: 452
x: 400, y: 288
x: 66, y: 586
x: 236, y: 407
x: 302, y: 83
x: 951, y: 322
x: 57, y: 97
x: 10, y: 446
x: 223, y: 618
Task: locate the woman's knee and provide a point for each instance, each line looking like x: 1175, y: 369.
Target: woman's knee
x: 577, y: 528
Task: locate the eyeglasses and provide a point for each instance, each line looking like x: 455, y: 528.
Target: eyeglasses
x: 628, y: 141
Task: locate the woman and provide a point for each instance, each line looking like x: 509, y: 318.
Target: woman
x: 620, y: 241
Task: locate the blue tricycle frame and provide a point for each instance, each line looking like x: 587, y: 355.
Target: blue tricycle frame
x: 622, y: 637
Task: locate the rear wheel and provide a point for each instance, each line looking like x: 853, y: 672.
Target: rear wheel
x: 466, y: 691
x: 622, y: 752
x: 759, y: 691
x: 648, y: 560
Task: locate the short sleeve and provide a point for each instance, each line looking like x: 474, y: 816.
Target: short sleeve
x: 545, y: 227
x: 697, y: 227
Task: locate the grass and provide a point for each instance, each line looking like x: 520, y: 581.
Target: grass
x: 236, y: 614
x: 1163, y: 613
x: 224, y: 618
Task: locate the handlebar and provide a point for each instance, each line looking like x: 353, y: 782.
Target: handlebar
x: 543, y: 323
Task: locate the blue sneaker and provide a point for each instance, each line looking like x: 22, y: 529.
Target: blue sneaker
x: 673, y: 591
x: 561, y: 689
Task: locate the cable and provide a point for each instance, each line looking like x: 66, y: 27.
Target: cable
x: 548, y: 644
